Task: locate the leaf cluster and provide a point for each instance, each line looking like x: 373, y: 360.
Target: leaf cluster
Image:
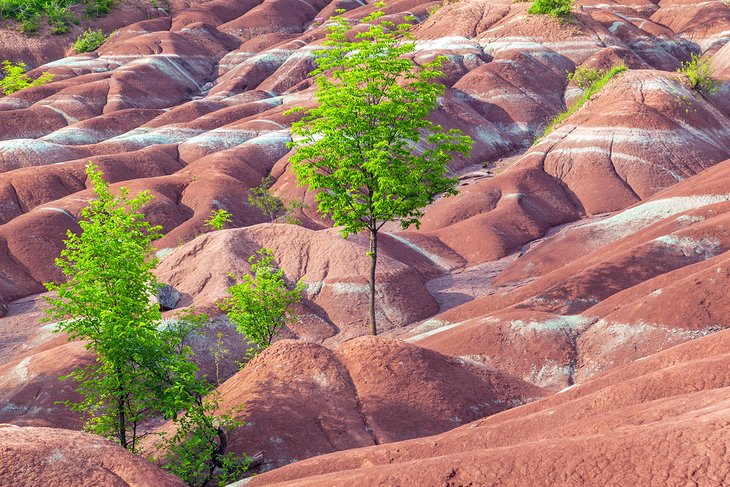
x: 260, y: 304
x: 218, y: 219
x: 58, y: 13
x: 196, y: 452
x: 14, y: 78
x: 584, y: 77
x: 369, y: 146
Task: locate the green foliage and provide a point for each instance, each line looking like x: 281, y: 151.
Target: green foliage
x: 261, y: 198
x: 435, y: 8
x: 96, y: 8
x: 57, y: 12
x: 59, y: 16
x: 14, y: 78
x: 30, y: 23
x: 560, y: 9
x: 106, y: 301
x: 196, y: 451
x: 368, y: 148
x: 218, y: 219
x: 585, y: 77
x: 698, y: 71
x: 595, y: 87
x: 219, y: 353
x: 90, y: 40
x: 260, y: 303
x: 144, y: 368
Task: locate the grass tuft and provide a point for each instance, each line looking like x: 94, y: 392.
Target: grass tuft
x: 591, y: 85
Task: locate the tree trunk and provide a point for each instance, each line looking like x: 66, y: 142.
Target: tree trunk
x: 373, y: 261
x: 122, y: 432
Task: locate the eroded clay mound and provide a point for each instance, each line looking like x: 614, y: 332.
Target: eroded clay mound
x: 669, y: 410
x: 302, y: 399
x: 31, y: 393
x: 46, y: 456
x: 602, y: 291
x: 192, y: 106
x: 335, y: 270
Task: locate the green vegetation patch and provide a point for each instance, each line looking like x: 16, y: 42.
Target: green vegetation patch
x: 90, y: 40
x: 560, y: 9
x: 58, y: 13
x: 14, y: 78
x: 698, y: 71
x: 591, y: 83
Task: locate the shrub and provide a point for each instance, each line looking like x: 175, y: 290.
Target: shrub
x: 15, y: 78
x: 30, y: 23
x: 585, y: 77
x: 699, y: 75
x: 90, y: 40
x: 58, y: 12
x: 261, y: 198
x: 554, y: 8
x: 260, y: 304
x: 595, y: 87
x: 59, y: 16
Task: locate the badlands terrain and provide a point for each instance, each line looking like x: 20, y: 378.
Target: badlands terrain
x: 560, y: 321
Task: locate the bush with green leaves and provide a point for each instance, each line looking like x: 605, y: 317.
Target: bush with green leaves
x: 595, y: 86
x: 196, y: 451
x: 14, y: 78
x: 369, y: 149
x: 59, y: 16
x: 261, y: 198
x: 89, y: 41
x: 57, y: 12
x: 698, y: 71
x: 260, y: 304
x: 583, y: 78
x: 560, y: 9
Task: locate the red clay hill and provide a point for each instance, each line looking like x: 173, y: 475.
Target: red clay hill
x: 559, y: 321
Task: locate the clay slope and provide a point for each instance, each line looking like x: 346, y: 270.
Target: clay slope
x: 603, y: 291
x: 302, y: 399
x: 335, y: 272
x: 659, y: 421
x: 45, y: 456
x: 191, y: 107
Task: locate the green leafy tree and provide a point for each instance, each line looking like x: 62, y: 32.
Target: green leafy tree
x: 261, y: 198
x: 197, y: 450
x: 218, y: 219
x: 106, y: 301
x: 144, y: 368
x: 260, y: 303
x: 369, y: 146
x: 14, y: 78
